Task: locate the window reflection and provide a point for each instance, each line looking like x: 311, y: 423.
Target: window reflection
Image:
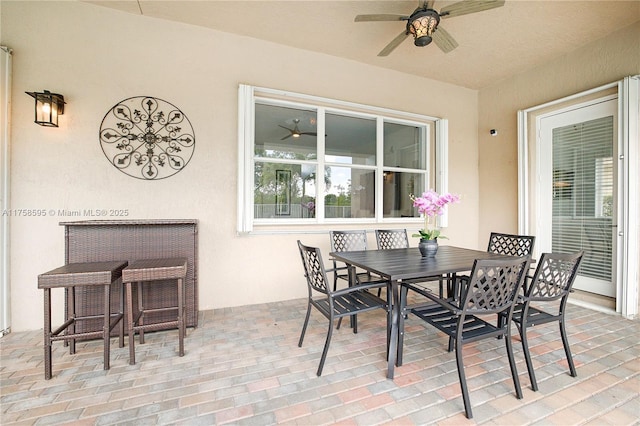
x: 351, y: 193
x: 397, y: 187
x: 284, y: 191
x: 276, y: 128
x: 350, y: 140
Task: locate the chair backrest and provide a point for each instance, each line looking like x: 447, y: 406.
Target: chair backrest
x: 554, y: 276
x: 391, y: 238
x: 512, y: 245
x: 314, y: 270
x: 493, y: 285
x: 348, y: 240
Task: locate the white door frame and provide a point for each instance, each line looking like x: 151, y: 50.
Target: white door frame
x: 628, y: 147
x: 5, y: 103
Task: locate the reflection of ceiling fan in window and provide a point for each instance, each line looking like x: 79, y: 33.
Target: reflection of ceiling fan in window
x: 295, y: 132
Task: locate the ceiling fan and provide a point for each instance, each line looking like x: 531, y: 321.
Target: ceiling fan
x: 423, y: 23
x: 295, y: 132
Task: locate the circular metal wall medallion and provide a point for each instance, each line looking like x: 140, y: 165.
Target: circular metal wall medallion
x: 147, y: 138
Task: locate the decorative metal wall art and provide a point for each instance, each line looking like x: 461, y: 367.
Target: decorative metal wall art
x: 147, y: 138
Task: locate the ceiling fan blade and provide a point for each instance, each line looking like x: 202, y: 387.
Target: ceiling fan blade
x: 429, y: 4
x: 309, y: 133
x: 380, y: 17
x: 469, y: 6
x: 285, y: 128
x: 443, y: 40
x: 286, y: 137
x: 394, y: 43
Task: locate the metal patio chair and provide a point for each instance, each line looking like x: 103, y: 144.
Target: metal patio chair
x: 336, y: 304
x: 349, y: 241
x: 550, y: 286
x: 499, y: 243
x: 493, y: 287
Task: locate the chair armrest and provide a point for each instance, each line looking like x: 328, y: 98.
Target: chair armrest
x: 445, y: 303
x: 360, y: 287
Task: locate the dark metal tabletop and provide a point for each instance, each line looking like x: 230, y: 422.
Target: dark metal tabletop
x: 403, y: 264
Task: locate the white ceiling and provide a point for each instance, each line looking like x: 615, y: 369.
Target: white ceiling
x: 493, y: 44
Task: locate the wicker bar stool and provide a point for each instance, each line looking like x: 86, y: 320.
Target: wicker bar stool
x: 69, y: 277
x: 151, y: 271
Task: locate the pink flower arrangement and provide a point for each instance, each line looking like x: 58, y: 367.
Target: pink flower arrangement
x: 430, y: 205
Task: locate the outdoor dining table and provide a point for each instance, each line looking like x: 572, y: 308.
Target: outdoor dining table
x: 396, y: 265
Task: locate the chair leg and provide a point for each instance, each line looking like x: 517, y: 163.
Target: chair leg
x: 304, y: 327
x: 567, y: 350
x: 512, y: 363
x: 326, y: 348
x: 451, y: 344
x: 527, y: 356
x: 463, y: 381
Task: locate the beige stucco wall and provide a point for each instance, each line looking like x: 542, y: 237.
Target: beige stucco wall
x: 96, y: 57
x: 605, y: 61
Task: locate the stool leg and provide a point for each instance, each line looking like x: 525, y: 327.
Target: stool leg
x: 106, y: 326
x: 71, y: 303
x: 181, y: 322
x: 47, y: 333
x: 140, y: 312
x: 121, y: 315
x: 129, y: 303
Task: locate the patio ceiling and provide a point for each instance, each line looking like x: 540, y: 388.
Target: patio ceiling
x: 493, y: 45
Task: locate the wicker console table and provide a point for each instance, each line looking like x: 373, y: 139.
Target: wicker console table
x: 107, y: 240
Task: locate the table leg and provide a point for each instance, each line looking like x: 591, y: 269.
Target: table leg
x: 401, y: 316
x: 393, y: 341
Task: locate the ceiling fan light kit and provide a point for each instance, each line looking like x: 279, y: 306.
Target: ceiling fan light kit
x: 422, y: 25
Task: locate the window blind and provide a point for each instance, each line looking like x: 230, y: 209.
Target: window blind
x: 583, y: 194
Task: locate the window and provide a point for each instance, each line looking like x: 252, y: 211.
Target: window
x: 309, y: 160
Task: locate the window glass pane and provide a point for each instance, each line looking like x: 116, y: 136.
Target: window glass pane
x: 284, y: 191
x: 351, y: 193
x: 404, y: 146
x: 583, y: 194
x: 282, y: 132
x: 350, y: 140
x: 396, y: 189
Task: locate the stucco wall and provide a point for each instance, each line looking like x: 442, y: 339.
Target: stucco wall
x: 96, y: 57
x: 605, y: 61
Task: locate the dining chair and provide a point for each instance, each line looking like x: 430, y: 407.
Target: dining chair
x: 387, y: 239
x: 492, y: 289
x: 499, y: 243
x: 549, y: 287
x: 349, y: 241
x: 336, y: 304
x: 511, y: 244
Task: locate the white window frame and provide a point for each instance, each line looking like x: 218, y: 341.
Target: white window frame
x: 247, y: 97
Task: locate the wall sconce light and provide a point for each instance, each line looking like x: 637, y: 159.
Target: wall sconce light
x: 48, y: 107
